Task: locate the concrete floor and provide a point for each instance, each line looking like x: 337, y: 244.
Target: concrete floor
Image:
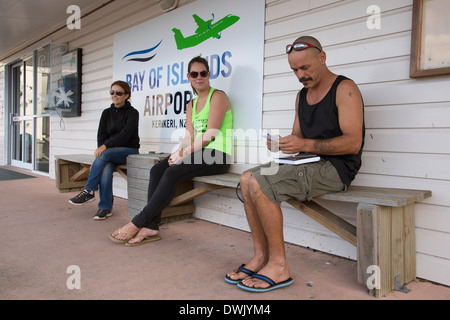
x: 43, y: 236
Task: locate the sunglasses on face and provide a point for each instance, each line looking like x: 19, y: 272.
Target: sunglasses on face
x: 194, y: 74
x: 299, y: 46
x: 118, y: 93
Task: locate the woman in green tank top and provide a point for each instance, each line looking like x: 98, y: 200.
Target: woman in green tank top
x: 208, y: 117
x: 205, y: 150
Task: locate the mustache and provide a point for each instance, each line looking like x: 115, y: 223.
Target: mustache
x: 305, y: 79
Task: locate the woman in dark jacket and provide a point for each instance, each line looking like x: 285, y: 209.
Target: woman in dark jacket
x: 117, y: 137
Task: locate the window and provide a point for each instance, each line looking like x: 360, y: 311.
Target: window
x: 430, y: 45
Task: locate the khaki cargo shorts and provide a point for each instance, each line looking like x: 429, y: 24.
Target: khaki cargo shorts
x: 301, y: 182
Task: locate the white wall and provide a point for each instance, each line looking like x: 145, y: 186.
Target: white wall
x: 407, y: 120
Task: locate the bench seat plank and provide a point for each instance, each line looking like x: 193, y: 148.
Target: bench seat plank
x: 357, y: 194
x: 86, y: 159
x: 379, y: 196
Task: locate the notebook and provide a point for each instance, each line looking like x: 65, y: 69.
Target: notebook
x: 302, y: 157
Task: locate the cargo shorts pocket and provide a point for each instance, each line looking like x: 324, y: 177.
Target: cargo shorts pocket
x: 304, y: 176
x: 328, y: 180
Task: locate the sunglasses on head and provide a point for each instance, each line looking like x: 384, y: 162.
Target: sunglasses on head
x: 118, y: 93
x: 194, y: 74
x: 299, y: 46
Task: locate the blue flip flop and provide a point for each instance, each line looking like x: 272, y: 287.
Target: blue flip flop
x: 273, y: 284
x: 240, y: 269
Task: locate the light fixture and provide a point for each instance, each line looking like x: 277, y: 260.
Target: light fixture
x: 167, y: 5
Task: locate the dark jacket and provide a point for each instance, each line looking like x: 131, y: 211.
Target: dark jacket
x: 119, y: 127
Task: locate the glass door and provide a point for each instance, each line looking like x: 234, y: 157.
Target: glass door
x: 30, y: 121
x: 21, y: 114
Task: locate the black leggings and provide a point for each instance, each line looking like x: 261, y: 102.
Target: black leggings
x: 164, y: 180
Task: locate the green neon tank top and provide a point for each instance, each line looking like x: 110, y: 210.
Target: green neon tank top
x: 224, y: 139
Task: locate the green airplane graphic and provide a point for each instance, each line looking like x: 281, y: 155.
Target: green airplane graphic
x: 205, y: 30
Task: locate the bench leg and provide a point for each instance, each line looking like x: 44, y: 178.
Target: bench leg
x: 194, y: 193
x: 386, y: 247
x: 70, y: 176
x: 327, y: 218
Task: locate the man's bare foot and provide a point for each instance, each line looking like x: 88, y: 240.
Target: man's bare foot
x: 125, y: 233
x: 254, y: 265
x: 142, y: 234
x: 276, y: 272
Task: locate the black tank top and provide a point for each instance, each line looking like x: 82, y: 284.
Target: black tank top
x: 321, y: 121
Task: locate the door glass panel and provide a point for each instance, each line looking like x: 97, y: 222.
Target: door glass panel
x: 28, y: 142
x: 42, y: 144
x: 42, y: 139
x: 17, y: 86
x: 43, y: 79
x: 29, y: 87
x: 17, y: 132
x: 17, y: 110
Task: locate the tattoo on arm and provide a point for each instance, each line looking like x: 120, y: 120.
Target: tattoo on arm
x: 350, y: 94
x: 324, y: 146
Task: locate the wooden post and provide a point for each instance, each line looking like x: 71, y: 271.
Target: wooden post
x: 386, y: 242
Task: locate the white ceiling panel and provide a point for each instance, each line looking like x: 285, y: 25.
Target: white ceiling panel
x: 22, y: 20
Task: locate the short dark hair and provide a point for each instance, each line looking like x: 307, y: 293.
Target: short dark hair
x: 124, y: 85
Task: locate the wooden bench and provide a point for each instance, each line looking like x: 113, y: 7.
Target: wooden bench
x: 384, y: 233
x: 72, y: 171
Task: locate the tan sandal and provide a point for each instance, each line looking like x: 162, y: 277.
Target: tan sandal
x: 120, y: 241
x: 144, y: 240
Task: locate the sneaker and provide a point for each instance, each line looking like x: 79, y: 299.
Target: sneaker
x: 83, y: 197
x: 102, y: 214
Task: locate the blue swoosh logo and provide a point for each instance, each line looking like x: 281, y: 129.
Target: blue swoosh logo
x: 140, y: 52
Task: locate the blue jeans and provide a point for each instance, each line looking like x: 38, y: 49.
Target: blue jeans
x: 101, y: 175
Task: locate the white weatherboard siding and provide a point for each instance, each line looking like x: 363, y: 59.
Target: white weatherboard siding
x: 408, y: 120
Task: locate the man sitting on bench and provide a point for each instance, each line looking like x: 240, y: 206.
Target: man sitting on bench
x: 329, y: 121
